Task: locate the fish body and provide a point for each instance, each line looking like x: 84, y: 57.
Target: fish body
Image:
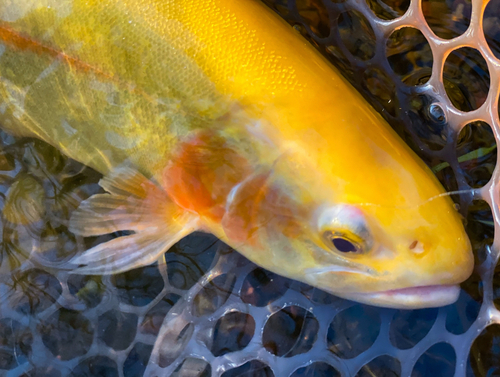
x: 217, y: 116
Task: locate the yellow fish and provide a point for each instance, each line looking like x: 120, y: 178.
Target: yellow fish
x: 217, y: 116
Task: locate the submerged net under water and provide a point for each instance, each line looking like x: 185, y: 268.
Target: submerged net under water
x: 432, y: 69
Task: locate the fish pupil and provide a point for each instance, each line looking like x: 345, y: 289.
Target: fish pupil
x: 344, y: 245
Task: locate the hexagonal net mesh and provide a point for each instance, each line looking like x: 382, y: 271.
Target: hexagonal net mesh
x: 432, y: 69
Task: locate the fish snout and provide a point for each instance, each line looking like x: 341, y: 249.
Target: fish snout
x: 441, y: 263
x: 421, y: 276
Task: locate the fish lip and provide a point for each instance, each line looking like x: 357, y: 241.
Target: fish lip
x: 425, y: 296
x: 421, y: 289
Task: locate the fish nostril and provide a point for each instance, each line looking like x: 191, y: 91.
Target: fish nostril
x: 416, y: 247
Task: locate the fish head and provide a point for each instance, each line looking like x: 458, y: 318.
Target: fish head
x: 402, y: 245
x: 393, y: 257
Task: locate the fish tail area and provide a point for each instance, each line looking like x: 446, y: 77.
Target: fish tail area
x: 132, y: 204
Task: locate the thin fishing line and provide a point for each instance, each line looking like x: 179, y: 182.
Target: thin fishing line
x: 420, y: 204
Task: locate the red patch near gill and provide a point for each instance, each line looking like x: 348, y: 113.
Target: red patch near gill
x: 261, y: 210
x: 202, y: 172
x: 207, y: 166
x: 243, y: 219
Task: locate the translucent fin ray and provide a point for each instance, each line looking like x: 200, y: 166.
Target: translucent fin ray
x: 124, y: 253
x: 110, y: 214
x: 133, y: 203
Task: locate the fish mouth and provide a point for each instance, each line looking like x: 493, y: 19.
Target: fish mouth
x: 427, y: 296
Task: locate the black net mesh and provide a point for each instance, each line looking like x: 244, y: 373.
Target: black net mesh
x: 432, y: 69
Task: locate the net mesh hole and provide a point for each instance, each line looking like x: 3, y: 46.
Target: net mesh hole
x: 491, y: 26
x: 356, y: 34
x: 484, y: 354
x: 315, y: 16
x: 67, y: 334
x: 409, y: 327
x: 232, y: 333
x: 349, y: 335
x: 480, y: 225
x: 254, y: 367
x: 290, y: 331
x: 388, y: 10
x: 117, y: 329
x: 316, y: 369
x: 466, y: 78
x: 410, y: 56
x: 262, y: 287
x: 438, y: 360
x: 153, y: 319
x: 447, y: 19
x: 477, y: 153
x: 384, y: 365
x: 193, y: 367
x: 96, y: 366
x: 137, y: 360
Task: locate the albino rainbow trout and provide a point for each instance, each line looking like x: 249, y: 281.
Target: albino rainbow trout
x: 217, y: 116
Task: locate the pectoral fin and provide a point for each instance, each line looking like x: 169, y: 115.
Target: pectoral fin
x: 134, y: 204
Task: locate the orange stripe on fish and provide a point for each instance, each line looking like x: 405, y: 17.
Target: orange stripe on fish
x: 24, y: 43
x: 21, y: 42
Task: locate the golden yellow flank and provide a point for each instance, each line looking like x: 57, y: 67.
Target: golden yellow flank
x: 217, y: 116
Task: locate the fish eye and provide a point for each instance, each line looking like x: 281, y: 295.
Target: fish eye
x: 344, y: 230
x: 343, y: 243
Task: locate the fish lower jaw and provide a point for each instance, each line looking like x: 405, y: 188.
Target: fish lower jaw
x: 429, y: 296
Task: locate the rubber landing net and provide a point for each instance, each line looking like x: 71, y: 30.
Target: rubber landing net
x: 432, y: 69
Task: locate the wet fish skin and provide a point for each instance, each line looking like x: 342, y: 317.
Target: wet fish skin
x: 217, y: 116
